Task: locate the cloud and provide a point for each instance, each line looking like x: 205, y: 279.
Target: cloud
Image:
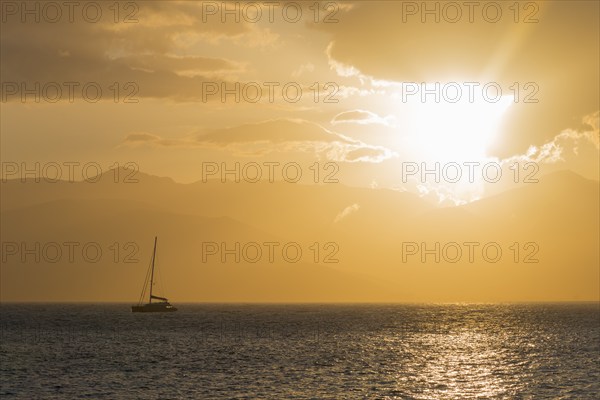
x: 344, y: 70
x: 362, y: 117
x: 279, y: 135
x: 346, y: 212
x: 308, y: 67
x: 593, y: 121
x: 372, y: 154
x: 271, y: 131
x: 136, y: 139
x: 164, y: 52
x: 565, y: 145
x: 182, y: 65
x: 385, y: 44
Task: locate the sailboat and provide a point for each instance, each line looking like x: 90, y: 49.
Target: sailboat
x: 162, y: 305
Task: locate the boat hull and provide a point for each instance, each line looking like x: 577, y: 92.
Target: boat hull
x: 154, y: 307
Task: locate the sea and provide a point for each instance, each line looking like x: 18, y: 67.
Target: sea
x: 301, y: 351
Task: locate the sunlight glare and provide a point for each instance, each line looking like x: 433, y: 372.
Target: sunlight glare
x: 460, y: 131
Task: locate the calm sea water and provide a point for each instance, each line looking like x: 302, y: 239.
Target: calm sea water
x: 301, y: 351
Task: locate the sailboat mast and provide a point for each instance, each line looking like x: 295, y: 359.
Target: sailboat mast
x: 152, y: 275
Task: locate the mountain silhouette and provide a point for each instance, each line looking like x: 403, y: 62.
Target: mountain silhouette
x: 557, y: 219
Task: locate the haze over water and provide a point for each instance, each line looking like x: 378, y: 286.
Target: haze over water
x: 457, y: 351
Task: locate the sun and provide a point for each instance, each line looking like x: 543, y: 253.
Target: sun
x: 456, y: 131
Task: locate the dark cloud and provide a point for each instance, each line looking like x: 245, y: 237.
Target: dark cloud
x: 146, y: 52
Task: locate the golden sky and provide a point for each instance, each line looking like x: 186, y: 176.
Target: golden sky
x: 376, y: 88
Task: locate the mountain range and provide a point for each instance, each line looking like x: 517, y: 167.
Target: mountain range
x: 357, y: 244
